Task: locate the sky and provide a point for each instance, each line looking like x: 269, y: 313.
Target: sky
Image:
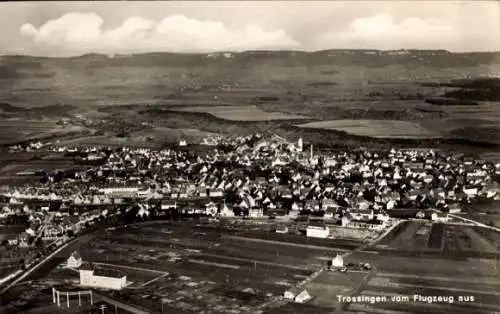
x: 75, y: 28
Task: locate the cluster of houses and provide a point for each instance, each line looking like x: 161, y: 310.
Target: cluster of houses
x: 257, y: 176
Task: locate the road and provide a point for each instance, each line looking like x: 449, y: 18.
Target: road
x: 44, y: 266
x: 477, y: 223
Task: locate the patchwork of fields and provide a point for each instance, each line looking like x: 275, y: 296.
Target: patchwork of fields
x: 475, y: 280
x: 419, y: 258
x: 13, y: 131
x: 199, y: 266
x: 241, y: 113
x: 415, y: 238
x: 153, y: 138
x: 375, y: 128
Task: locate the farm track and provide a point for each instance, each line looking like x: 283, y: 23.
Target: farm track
x: 436, y: 237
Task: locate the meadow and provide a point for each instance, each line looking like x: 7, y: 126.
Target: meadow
x: 375, y: 128
x: 242, y: 113
x: 273, y: 87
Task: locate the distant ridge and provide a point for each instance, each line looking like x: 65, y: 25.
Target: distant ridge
x: 259, y: 52
x: 341, y: 57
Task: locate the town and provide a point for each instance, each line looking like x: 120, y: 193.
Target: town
x: 261, y: 179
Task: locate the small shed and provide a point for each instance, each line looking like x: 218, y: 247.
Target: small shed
x: 75, y: 260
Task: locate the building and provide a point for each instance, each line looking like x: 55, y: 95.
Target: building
x: 361, y: 215
x: 120, y: 192
x: 297, y: 295
x: 454, y: 208
x: 300, y: 145
x: 317, y: 230
x: 281, y: 229
x: 101, y: 278
x: 215, y: 193
x: 337, y: 262
x: 168, y: 204
x: 440, y: 217
x: 256, y: 213
x: 226, y: 212
x: 74, y: 261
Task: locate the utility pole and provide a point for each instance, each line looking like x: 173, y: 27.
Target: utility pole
x: 102, y: 307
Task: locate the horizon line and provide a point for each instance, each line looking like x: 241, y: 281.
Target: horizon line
x: 10, y: 54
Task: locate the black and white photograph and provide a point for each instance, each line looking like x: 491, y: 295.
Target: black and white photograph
x: 249, y: 157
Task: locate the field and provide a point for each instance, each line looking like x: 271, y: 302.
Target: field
x: 432, y: 260
x: 241, y: 113
x: 153, y: 138
x: 486, y: 212
x: 202, y: 266
x: 327, y: 286
x: 267, y: 90
x: 12, y: 131
x: 422, y: 239
x: 375, y: 128
x: 21, y: 167
x: 8, y: 265
x: 407, y: 276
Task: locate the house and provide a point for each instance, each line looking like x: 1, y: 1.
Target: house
x: 362, y: 203
x: 255, y: 212
x: 202, y: 192
x: 215, y: 193
x: 330, y: 213
x: 491, y: 189
x: 470, y: 191
x: 226, y: 212
x: 183, y: 193
x: 168, y: 204
x: 454, y: 208
x: 281, y: 229
x: 297, y: 295
x: 312, y: 205
x: 328, y: 203
x: 428, y: 179
x: 390, y: 204
x: 440, y: 217
x: 285, y: 193
x: 74, y: 261
x: 337, y: 262
x: 174, y: 194
x: 383, y: 217
x: 317, y: 229
x: 91, y: 276
x: 361, y: 215
x: 297, y: 206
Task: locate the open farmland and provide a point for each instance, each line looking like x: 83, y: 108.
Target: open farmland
x: 241, y: 113
x: 328, y: 285
x: 18, y: 130
x: 272, y: 86
x: 420, y: 239
x: 6, y: 230
x: 152, y: 138
x: 375, y: 128
x: 433, y: 276
x: 200, y: 266
x: 26, y: 167
x: 12, y: 131
x: 487, y: 212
